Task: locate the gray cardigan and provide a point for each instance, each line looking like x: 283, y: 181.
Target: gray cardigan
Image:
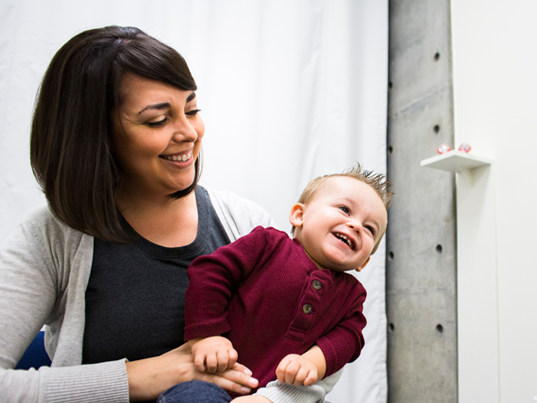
x: 44, y: 269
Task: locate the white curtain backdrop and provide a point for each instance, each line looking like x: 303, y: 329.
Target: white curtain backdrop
x: 289, y: 90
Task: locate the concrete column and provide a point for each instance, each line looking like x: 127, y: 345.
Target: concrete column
x: 421, y: 241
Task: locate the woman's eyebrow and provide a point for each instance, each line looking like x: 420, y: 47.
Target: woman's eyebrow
x: 159, y: 106
x: 191, y: 97
x: 165, y: 105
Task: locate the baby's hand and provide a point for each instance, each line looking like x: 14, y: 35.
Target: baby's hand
x: 213, y: 354
x: 251, y: 399
x: 296, y: 370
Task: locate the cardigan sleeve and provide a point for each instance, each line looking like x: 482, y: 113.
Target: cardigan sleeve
x: 238, y: 216
x: 31, y: 289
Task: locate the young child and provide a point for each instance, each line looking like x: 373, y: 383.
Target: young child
x: 285, y: 307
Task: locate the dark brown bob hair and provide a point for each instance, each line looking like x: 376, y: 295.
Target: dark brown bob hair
x: 70, y: 139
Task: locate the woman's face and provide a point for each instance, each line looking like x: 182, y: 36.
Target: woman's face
x: 156, y: 137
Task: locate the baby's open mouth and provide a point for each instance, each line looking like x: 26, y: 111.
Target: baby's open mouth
x: 344, y: 239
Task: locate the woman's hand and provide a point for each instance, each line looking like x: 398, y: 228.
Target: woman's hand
x: 149, y: 377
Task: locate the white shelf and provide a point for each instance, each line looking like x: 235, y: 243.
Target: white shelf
x: 456, y: 161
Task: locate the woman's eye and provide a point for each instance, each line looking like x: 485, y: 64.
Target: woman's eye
x: 345, y: 209
x: 193, y: 112
x: 158, y: 123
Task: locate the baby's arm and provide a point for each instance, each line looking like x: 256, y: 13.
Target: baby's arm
x: 294, y: 369
x: 305, y: 369
x: 213, y: 354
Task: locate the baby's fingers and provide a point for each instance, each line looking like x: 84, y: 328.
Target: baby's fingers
x: 290, y: 372
x: 287, y: 370
x: 311, y: 378
x: 199, y: 362
x: 233, y: 356
x: 280, y: 371
x: 306, y: 376
x: 211, y: 363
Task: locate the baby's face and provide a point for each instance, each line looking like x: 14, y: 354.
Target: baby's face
x: 339, y: 227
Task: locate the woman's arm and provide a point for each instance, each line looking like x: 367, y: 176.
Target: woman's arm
x: 150, y: 377
x: 43, y: 274
x: 33, y: 291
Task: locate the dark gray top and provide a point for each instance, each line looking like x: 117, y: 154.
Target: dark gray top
x: 136, y: 293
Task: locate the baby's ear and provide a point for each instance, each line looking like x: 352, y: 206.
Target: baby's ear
x: 297, y: 214
x: 359, y: 269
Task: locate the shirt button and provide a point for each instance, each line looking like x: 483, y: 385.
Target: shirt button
x: 317, y: 285
x: 307, y: 309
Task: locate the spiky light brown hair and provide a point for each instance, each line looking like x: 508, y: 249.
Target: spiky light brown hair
x: 377, y: 181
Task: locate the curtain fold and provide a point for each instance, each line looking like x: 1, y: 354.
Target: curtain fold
x: 289, y: 90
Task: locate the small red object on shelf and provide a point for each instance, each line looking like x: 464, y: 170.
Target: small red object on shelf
x: 444, y: 148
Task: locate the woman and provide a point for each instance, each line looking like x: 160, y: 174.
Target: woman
x: 115, y: 145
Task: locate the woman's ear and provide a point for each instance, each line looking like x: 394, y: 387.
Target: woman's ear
x: 297, y: 213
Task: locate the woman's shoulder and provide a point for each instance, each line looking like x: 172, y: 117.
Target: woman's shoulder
x: 43, y: 229
x: 231, y: 199
x: 44, y: 222
x: 238, y: 215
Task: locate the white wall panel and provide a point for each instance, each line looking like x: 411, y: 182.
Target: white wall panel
x: 494, y: 65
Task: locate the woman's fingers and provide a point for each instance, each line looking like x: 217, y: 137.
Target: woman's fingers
x: 241, y: 368
x: 241, y: 375
x: 238, y: 379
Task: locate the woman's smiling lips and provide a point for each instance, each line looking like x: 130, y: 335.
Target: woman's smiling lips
x: 178, y: 157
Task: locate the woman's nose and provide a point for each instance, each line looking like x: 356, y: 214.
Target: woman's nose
x: 184, y: 131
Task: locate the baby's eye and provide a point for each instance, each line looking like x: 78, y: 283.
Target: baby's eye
x: 193, y: 112
x: 345, y: 209
x: 370, y: 229
x: 158, y: 123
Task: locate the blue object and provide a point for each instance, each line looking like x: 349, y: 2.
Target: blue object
x: 194, y: 392
x: 35, y: 355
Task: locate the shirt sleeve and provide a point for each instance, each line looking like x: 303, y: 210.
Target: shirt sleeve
x: 214, y: 278
x: 345, y: 342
